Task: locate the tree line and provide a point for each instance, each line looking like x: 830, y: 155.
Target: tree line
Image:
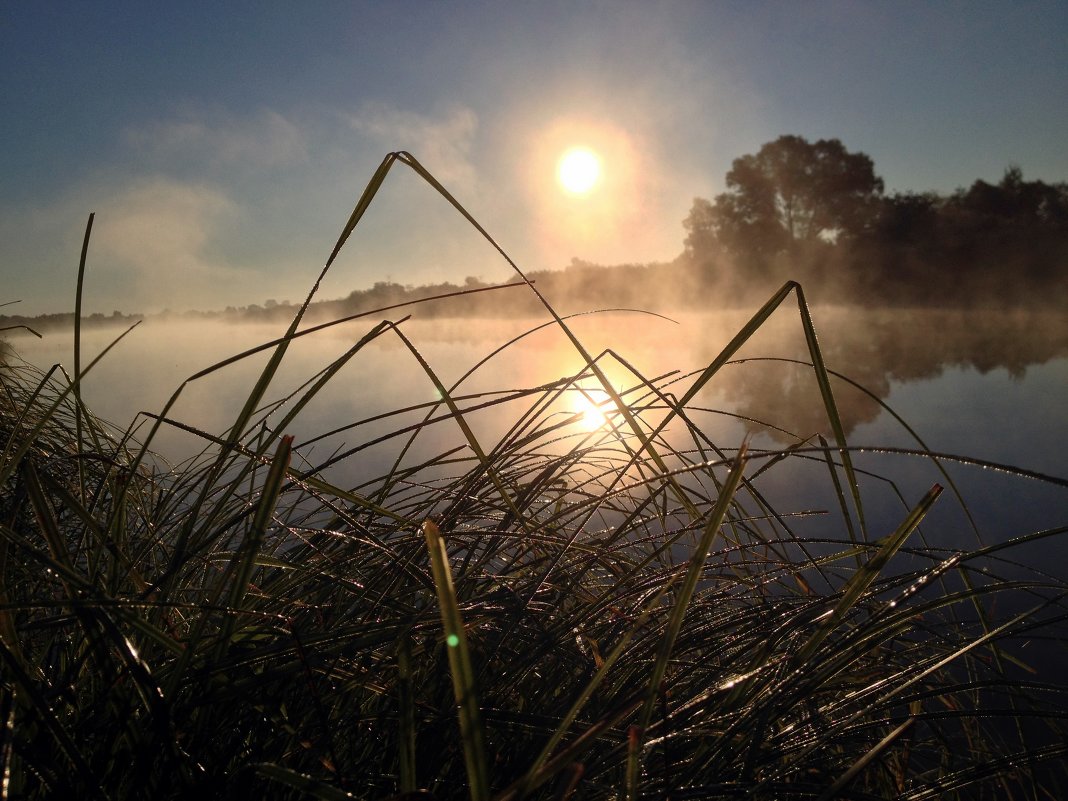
x: 819, y: 214
x: 812, y: 212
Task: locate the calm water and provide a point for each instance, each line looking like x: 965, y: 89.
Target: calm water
x: 985, y: 385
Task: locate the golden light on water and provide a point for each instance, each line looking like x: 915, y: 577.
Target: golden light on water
x: 578, y: 170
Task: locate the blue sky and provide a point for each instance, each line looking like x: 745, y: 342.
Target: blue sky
x: 222, y: 145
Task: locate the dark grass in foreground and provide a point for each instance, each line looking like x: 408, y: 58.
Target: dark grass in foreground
x: 613, y: 614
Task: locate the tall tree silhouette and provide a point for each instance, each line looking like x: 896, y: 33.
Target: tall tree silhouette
x: 793, y: 191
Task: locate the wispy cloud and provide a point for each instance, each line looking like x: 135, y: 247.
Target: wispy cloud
x: 160, y: 224
x: 157, y: 242
x: 265, y: 139
x: 443, y: 142
x: 162, y: 242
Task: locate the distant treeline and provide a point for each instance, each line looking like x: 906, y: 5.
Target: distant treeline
x: 811, y: 212
x: 579, y: 287
x: 13, y: 323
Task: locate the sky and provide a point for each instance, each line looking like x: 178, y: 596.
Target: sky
x: 222, y: 146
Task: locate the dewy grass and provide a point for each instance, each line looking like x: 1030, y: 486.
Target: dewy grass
x: 606, y: 613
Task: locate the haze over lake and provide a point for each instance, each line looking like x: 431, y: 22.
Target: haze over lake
x: 992, y: 391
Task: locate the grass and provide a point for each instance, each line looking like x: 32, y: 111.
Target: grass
x: 609, y: 614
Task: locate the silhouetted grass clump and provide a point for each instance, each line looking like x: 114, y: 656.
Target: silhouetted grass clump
x: 610, y: 611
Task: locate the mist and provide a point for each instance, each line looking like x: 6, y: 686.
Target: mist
x: 768, y: 389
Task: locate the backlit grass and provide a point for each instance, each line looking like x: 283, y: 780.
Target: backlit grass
x: 606, y: 611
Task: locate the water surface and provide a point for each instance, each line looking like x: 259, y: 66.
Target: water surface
x: 986, y: 385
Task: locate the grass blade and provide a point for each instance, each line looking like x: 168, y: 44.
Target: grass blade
x: 864, y: 576
x: 460, y: 667
x: 867, y: 759
x: 678, y: 613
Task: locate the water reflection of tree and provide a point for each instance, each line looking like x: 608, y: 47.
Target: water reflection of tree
x: 876, y: 348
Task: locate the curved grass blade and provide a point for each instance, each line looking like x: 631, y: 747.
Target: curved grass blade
x: 78, y: 350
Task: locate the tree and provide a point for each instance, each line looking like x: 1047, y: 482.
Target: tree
x: 1014, y: 202
x: 793, y: 191
x: 700, y: 225
x: 906, y: 218
x: 1015, y: 232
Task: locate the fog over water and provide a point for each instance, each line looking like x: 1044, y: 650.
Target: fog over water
x: 988, y: 386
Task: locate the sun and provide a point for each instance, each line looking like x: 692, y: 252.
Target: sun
x: 592, y: 404
x: 578, y: 170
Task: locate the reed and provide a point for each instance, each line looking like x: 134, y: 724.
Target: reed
x: 604, y: 614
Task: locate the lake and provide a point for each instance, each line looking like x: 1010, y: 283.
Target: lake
x: 982, y: 384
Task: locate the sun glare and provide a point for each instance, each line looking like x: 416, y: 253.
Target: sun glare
x: 592, y: 404
x: 589, y: 187
x: 578, y: 170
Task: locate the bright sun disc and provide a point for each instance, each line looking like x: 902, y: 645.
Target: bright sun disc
x: 578, y: 170
x: 591, y: 404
